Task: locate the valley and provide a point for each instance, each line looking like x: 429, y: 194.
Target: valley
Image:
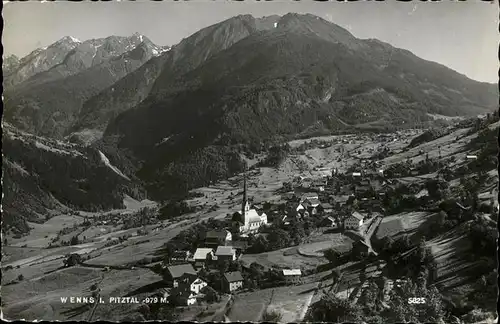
x: 132, y: 259
x: 272, y: 169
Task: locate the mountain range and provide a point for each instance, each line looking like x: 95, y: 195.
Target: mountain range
x: 180, y: 116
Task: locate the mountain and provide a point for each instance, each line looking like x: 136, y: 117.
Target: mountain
x: 277, y: 79
x: 190, y: 53
x: 49, y: 102
x: 43, y: 177
x: 9, y: 64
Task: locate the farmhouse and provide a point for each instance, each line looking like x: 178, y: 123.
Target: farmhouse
x: 202, y: 256
x: 179, y: 257
x: 232, y: 281
x: 225, y: 253
x: 192, y: 283
x: 217, y: 237
x: 355, y: 221
x: 292, y: 276
x: 175, y: 273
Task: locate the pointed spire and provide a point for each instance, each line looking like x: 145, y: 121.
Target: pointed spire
x: 245, y: 199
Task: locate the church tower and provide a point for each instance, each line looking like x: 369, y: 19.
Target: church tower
x: 245, y: 206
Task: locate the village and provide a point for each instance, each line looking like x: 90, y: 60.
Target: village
x: 335, y: 227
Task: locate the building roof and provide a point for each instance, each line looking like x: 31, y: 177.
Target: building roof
x: 327, y: 206
x: 202, y: 253
x: 292, y: 272
x: 216, y: 234
x: 177, y: 271
x: 330, y: 218
x: 314, y: 202
x: 357, y: 215
x: 225, y: 250
x: 233, y: 276
x: 253, y: 216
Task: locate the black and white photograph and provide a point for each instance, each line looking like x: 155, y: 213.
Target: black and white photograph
x: 250, y: 161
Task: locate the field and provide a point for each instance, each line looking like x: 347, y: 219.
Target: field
x: 40, y: 298
x: 292, y: 302
x: 401, y: 223
x: 285, y: 258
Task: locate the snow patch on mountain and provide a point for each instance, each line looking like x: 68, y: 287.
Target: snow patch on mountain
x: 106, y: 161
x: 76, y: 40
x: 51, y: 149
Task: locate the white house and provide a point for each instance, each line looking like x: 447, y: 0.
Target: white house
x: 193, y: 283
x: 232, y: 281
x: 355, y: 221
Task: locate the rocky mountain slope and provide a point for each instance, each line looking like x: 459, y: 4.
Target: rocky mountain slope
x: 283, y: 78
x: 43, y: 177
x: 52, y: 91
x: 181, y: 58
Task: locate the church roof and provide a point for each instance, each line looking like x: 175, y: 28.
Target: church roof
x: 253, y: 216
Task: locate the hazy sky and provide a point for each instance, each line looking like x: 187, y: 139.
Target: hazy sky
x: 461, y: 35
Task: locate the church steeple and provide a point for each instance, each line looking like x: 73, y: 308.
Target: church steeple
x: 244, y: 203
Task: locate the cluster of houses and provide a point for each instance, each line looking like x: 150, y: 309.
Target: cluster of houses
x: 186, y: 287
x: 218, y: 247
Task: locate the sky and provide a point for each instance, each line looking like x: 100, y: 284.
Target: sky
x: 461, y: 35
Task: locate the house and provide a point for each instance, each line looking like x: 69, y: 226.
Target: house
x: 355, y: 221
x: 179, y: 257
x: 295, y: 207
x: 356, y: 174
x: 327, y: 208
x: 312, y: 206
x: 175, y: 272
x: 183, y: 297
x: 188, y: 290
x: 329, y: 221
x: 232, y: 281
x: 225, y: 253
x: 292, y: 276
x: 192, y: 283
x: 202, y: 256
x: 471, y: 157
x: 217, y: 237
x: 308, y: 196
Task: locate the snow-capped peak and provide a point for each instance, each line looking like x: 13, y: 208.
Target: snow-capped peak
x: 76, y: 40
x: 158, y: 50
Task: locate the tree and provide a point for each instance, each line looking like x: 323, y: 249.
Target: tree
x: 332, y: 256
x: 72, y: 260
x: 211, y: 296
x: 74, y: 240
x: 272, y: 316
x: 20, y: 277
x: 333, y: 309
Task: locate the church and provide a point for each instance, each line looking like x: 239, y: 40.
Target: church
x: 248, y: 220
